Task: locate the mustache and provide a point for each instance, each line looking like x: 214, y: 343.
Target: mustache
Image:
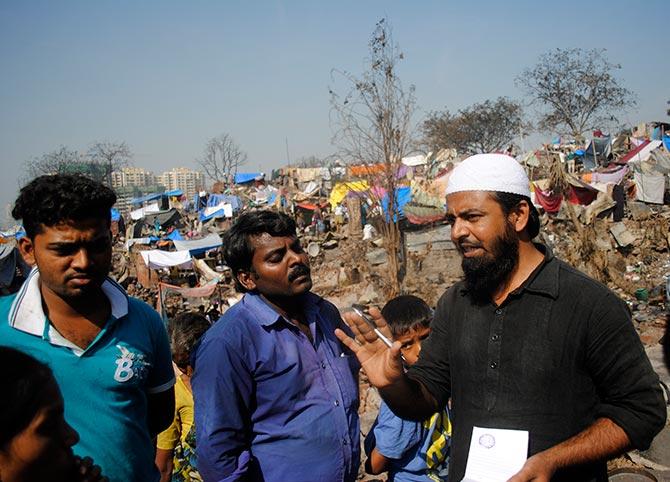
x: 298, y: 271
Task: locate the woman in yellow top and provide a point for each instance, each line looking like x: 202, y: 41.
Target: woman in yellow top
x: 175, y: 454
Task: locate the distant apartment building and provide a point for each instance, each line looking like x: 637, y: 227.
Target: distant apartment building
x: 133, y: 177
x: 187, y: 180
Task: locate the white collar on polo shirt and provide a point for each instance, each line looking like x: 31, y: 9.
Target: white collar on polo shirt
x: 26, y: 313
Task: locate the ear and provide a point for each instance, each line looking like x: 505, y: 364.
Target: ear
x: 247, y: 280
x: 519, y: 216
x: 27, y: 250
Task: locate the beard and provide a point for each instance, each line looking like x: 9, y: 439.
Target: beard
x: 484, y: 274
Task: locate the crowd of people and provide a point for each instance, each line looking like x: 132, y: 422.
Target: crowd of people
x: 101, y: 390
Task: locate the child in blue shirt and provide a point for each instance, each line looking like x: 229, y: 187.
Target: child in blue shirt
x: 410, y: 451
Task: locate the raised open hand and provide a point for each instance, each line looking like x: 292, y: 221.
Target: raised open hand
x: 383, y: 365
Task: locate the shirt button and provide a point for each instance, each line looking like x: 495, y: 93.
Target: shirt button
x: 498, y: 311
x: 323, y: 365
x: 337, y: 403
x: 495, y: 338
x: 493, y: 365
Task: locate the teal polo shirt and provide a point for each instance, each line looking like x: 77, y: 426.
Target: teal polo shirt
x: 105, y: 386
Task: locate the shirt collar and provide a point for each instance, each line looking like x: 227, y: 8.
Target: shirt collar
x: 26, y: 313
x: 544, y: 280
x: 267, y: 315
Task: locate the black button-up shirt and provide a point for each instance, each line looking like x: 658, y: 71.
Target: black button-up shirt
x: 557, y: 354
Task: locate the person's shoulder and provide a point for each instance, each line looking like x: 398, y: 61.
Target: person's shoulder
x: 237, y: 321
x: 6, y: 302
x: 574, y: 281
x: 141, y: 312
x: 452, y: 293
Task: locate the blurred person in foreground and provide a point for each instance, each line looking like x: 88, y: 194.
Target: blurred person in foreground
x: 525, y: 342
x: 410, y: 451
x: 35, y: 440
x: 175, y: 454
x: 109, y: 352
x: 276, y: 394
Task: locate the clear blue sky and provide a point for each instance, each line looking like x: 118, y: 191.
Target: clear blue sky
x: 164, y: 76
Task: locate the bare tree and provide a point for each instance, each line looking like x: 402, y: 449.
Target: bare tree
x: 576, y: 90
x: 485, y: 127
x: 373, y: 125
x: 221, y: 158
x: 59, y: 161
x: 111, y: 156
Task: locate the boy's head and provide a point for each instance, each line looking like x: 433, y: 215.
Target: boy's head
x: 409, y: 319
x: 185, y: 333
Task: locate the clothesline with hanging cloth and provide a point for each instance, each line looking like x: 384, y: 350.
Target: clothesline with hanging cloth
x: 198, y: 292
x: 549, y: 201
x: 157, y: 259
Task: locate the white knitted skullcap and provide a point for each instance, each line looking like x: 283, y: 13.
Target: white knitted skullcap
x: 489, y: 172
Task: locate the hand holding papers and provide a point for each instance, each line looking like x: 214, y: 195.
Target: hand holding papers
x: 495, y: 454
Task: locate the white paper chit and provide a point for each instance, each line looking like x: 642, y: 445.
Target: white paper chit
x: 495, y: 454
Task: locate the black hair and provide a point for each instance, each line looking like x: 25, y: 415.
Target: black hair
x: 405, y: 313
x: 185, y: 332
x: 509, y: 201
x: 24, y: 379
x: 238, y: 249
x: 51, y: 199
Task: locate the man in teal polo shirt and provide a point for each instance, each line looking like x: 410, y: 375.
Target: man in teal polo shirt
x: 109, y: 352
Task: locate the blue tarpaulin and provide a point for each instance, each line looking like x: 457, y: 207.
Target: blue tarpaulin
x: 244, y: 177
x: 216, y: 199
x: 116, y: 215
x: 148, y: 197
x: 174, y: 236
x: 403, y: 195
x: 174, y: 193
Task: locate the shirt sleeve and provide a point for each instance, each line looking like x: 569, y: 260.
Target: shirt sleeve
x: 168, y: 439
x: 161, y: 375
x: 222, y: 388
x: 628, y: 388
x: 393, y: 436
x: 432, y: 369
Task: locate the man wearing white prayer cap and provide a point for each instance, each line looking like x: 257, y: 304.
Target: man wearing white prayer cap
x: 524, y: 342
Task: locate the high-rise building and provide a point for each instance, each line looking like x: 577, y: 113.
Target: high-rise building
x: 188, y: 180
x: 132, y: 177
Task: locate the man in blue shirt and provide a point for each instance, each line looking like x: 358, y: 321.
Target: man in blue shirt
x: 276, y: 394
x: 109, y: 353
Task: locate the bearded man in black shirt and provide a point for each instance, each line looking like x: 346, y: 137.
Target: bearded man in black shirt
x: 523, y: 342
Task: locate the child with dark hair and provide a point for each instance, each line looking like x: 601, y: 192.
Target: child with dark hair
x: 175, y: 454
x: 410, y: 451
x: 35, y: 440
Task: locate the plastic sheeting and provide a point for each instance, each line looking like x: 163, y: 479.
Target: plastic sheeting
x: 141, y: 212
x: 157, y: 259
x: 245, y: 177
x: 341, y: 190
x: 649, y: 188
x: 197, y: 246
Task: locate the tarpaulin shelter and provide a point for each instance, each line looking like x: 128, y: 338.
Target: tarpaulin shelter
x: 603, y: 149
x: 148, y: 197
x: 219, y: 211
x: 366, y: 170
x: 198, y: 246
x: 174, y: 193
x: 341, y: 190
x: 115, y: 214
x: 157, y: 259
x: 641, y: 153
x: 143, y: 211
x: 174, y: 235
x: 246, y: 177
x: 403, y: 195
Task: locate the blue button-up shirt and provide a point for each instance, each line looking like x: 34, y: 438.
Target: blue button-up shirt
x: 269, y: 404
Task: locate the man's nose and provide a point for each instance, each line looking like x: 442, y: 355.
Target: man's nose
x: 458, y: 230
x: 81, y: 259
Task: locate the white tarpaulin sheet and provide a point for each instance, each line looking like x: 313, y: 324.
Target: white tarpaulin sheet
x: 649, y: 188
x: 412, y: 161
x: 225, y: 207
x: 141, y: 212
x: 132, y: 241
x: 209, y: 242
x: 157, y: 259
